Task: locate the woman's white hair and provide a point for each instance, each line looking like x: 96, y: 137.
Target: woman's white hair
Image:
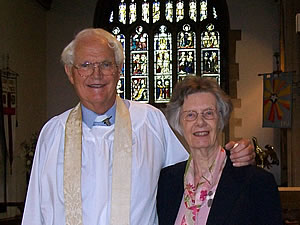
x: 68, y: 54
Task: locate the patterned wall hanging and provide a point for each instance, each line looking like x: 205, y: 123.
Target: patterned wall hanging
x: 9, y: 100
x: 277, y: 99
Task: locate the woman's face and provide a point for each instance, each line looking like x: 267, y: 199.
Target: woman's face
x: 199, y: 121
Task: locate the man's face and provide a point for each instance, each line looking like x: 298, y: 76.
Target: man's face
x: 97, y: 91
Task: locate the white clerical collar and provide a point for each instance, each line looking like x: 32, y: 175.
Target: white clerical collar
x: 89, y: 117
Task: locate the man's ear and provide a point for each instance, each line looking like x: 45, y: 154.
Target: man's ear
x: 69, y: 72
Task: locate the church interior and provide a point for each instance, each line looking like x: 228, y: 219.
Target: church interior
x: 262, y: 40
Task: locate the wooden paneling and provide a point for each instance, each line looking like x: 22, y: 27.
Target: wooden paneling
x: 290, y: 203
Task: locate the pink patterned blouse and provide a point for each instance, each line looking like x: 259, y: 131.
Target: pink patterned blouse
x: 197, y: 200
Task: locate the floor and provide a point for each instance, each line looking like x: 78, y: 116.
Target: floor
x: 11, y: 221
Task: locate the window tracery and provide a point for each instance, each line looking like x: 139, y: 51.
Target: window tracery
x: 161, y: 49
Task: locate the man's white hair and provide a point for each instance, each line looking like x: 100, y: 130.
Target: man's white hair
x: 68, y: 54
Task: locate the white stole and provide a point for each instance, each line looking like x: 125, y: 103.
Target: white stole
x: 121, y: 171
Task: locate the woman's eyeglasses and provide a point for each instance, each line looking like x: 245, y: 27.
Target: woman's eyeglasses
x: 191, y: 115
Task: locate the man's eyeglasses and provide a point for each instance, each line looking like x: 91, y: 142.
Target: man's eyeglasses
x: 86, y: 69
x: 208, y: 114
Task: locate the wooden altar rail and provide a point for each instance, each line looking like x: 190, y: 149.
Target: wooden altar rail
x: 290, y: 203
x: 19, y: 205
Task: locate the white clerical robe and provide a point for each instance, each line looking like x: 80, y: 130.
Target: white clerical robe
x: 154, y: 147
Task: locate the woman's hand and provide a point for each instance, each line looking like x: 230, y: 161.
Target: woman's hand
x: 241, y: 152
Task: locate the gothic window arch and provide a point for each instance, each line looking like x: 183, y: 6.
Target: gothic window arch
x: 164, y: 41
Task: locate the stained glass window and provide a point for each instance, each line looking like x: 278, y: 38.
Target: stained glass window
x: 169, y: 11
x: 156, y: 11
x: 164, y: 41
x: 121, y: 82
x: 186, y: 45
x: 162, y: 65
x: 145, y: 11
x: 203, y: 10
x: 132, y: 12
x: 210, y: 53
x: 193, y: 10
x: 179, y: 10
x: 215, y: 13
x: 139, y: 65
x: 122, y: 12
x: 111, y: 18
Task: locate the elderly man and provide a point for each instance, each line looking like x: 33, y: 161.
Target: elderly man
x: 99, y: 163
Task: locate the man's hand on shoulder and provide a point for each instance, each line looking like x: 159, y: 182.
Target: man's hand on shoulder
x: 241, y: 152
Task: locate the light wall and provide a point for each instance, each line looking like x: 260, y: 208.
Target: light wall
x: 259, y: 24
x: 64, y: 20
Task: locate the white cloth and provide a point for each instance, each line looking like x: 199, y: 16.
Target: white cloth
x: 154, y: 147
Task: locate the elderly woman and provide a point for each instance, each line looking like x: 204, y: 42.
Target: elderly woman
x: 207, y: 189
